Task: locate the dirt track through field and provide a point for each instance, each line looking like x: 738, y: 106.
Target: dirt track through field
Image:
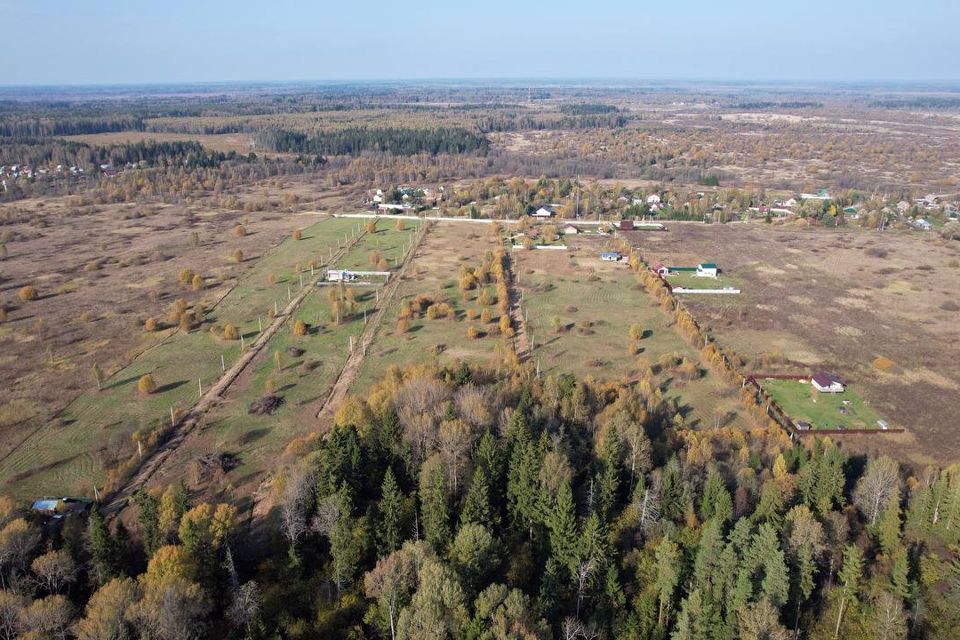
x: 521, y: 339
x: 119, y: 499
x: 339, y: 390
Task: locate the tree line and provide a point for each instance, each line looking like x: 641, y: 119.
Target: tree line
x: 353, y: 141
x: 462, y: 502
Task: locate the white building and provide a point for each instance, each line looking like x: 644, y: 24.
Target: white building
x: 707, y: 270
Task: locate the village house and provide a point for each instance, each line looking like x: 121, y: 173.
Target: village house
x: 825, y: 382
x: 661, y: 270
x: 546, y: 211
x: 610, y: 256
x: 570, y: 230
x: 625, y: 225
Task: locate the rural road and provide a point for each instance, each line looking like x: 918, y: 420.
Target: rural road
x: 117, y: 500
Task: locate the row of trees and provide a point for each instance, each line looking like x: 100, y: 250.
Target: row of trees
x: 356, y: 140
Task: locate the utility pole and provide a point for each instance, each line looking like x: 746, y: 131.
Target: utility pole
x: 578, y: 198
x: 223, y: 364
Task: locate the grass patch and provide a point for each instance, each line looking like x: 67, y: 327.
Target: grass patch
x: 844, y: 410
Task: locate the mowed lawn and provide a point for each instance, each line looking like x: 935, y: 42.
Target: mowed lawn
x: 690, y: 280
x: 844, y: 410
x: 434, y: 271
x: 580, y: 309
x: 68, y: 455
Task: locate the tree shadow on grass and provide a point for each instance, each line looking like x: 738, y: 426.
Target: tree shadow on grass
x: 121, y: 383
x: 170, y: 386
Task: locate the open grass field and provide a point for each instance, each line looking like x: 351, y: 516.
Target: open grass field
x: 822, y: 410
x: 839, y: 300
x: 580, y: 309
x: 224, y: 142
x: 70, y: 453
x: 300, y: 369
x: 434, y: 270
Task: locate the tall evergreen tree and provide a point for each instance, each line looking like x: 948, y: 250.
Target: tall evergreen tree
x: 390, y: 513
x: 476, y: 505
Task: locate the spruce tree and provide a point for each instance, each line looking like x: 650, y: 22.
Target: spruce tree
x: 102, y: 548
x: 476, y: 505
x: 390, y: 509
x: 562, y: 523
x: 435, y: 512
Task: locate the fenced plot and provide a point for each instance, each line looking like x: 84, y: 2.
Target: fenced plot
x: 579, y: 312
x: 690, y: 280
x: 299, y: 370
x: 822, y: 411
x: 73, y: 453
x: 434, y: 271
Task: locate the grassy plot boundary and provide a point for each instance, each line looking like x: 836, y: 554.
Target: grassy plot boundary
x: 844, y: 412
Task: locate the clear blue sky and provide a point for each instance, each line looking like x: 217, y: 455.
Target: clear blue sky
x: 149, y: 41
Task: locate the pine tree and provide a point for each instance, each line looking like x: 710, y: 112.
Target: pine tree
x: 390, y: 508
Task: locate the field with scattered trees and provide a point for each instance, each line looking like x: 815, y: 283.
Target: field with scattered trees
x: 497, y: 434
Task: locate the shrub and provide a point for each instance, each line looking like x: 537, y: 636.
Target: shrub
x: 883, y: 364
x: 485, y: 316
x: 876, y: 252
x: 636, y: 331
x: 484, y: 299
x: 372, y: 225
x: 150, y: 325
x: 950, y: 305
x: 237, y: 256
x: 297, y: 234
x: 146, y: 384
x: 300, y: 328
x: 187, y: 320
x: 186, y: 276
x: 473, y: 333
x: 403, y: 325
x: 401, y: 225
x: 383, y: 265
x: 197, y: 282
x: 27, y: 293
x: 506, y: 327
x: 374, y: 258
x: 472, y: 314
x: 239, y: 231
x: 230, y: 332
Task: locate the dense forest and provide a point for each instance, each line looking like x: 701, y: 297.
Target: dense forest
x: 465, y: 503
x: 356, y: 140
x: 40, y: 152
